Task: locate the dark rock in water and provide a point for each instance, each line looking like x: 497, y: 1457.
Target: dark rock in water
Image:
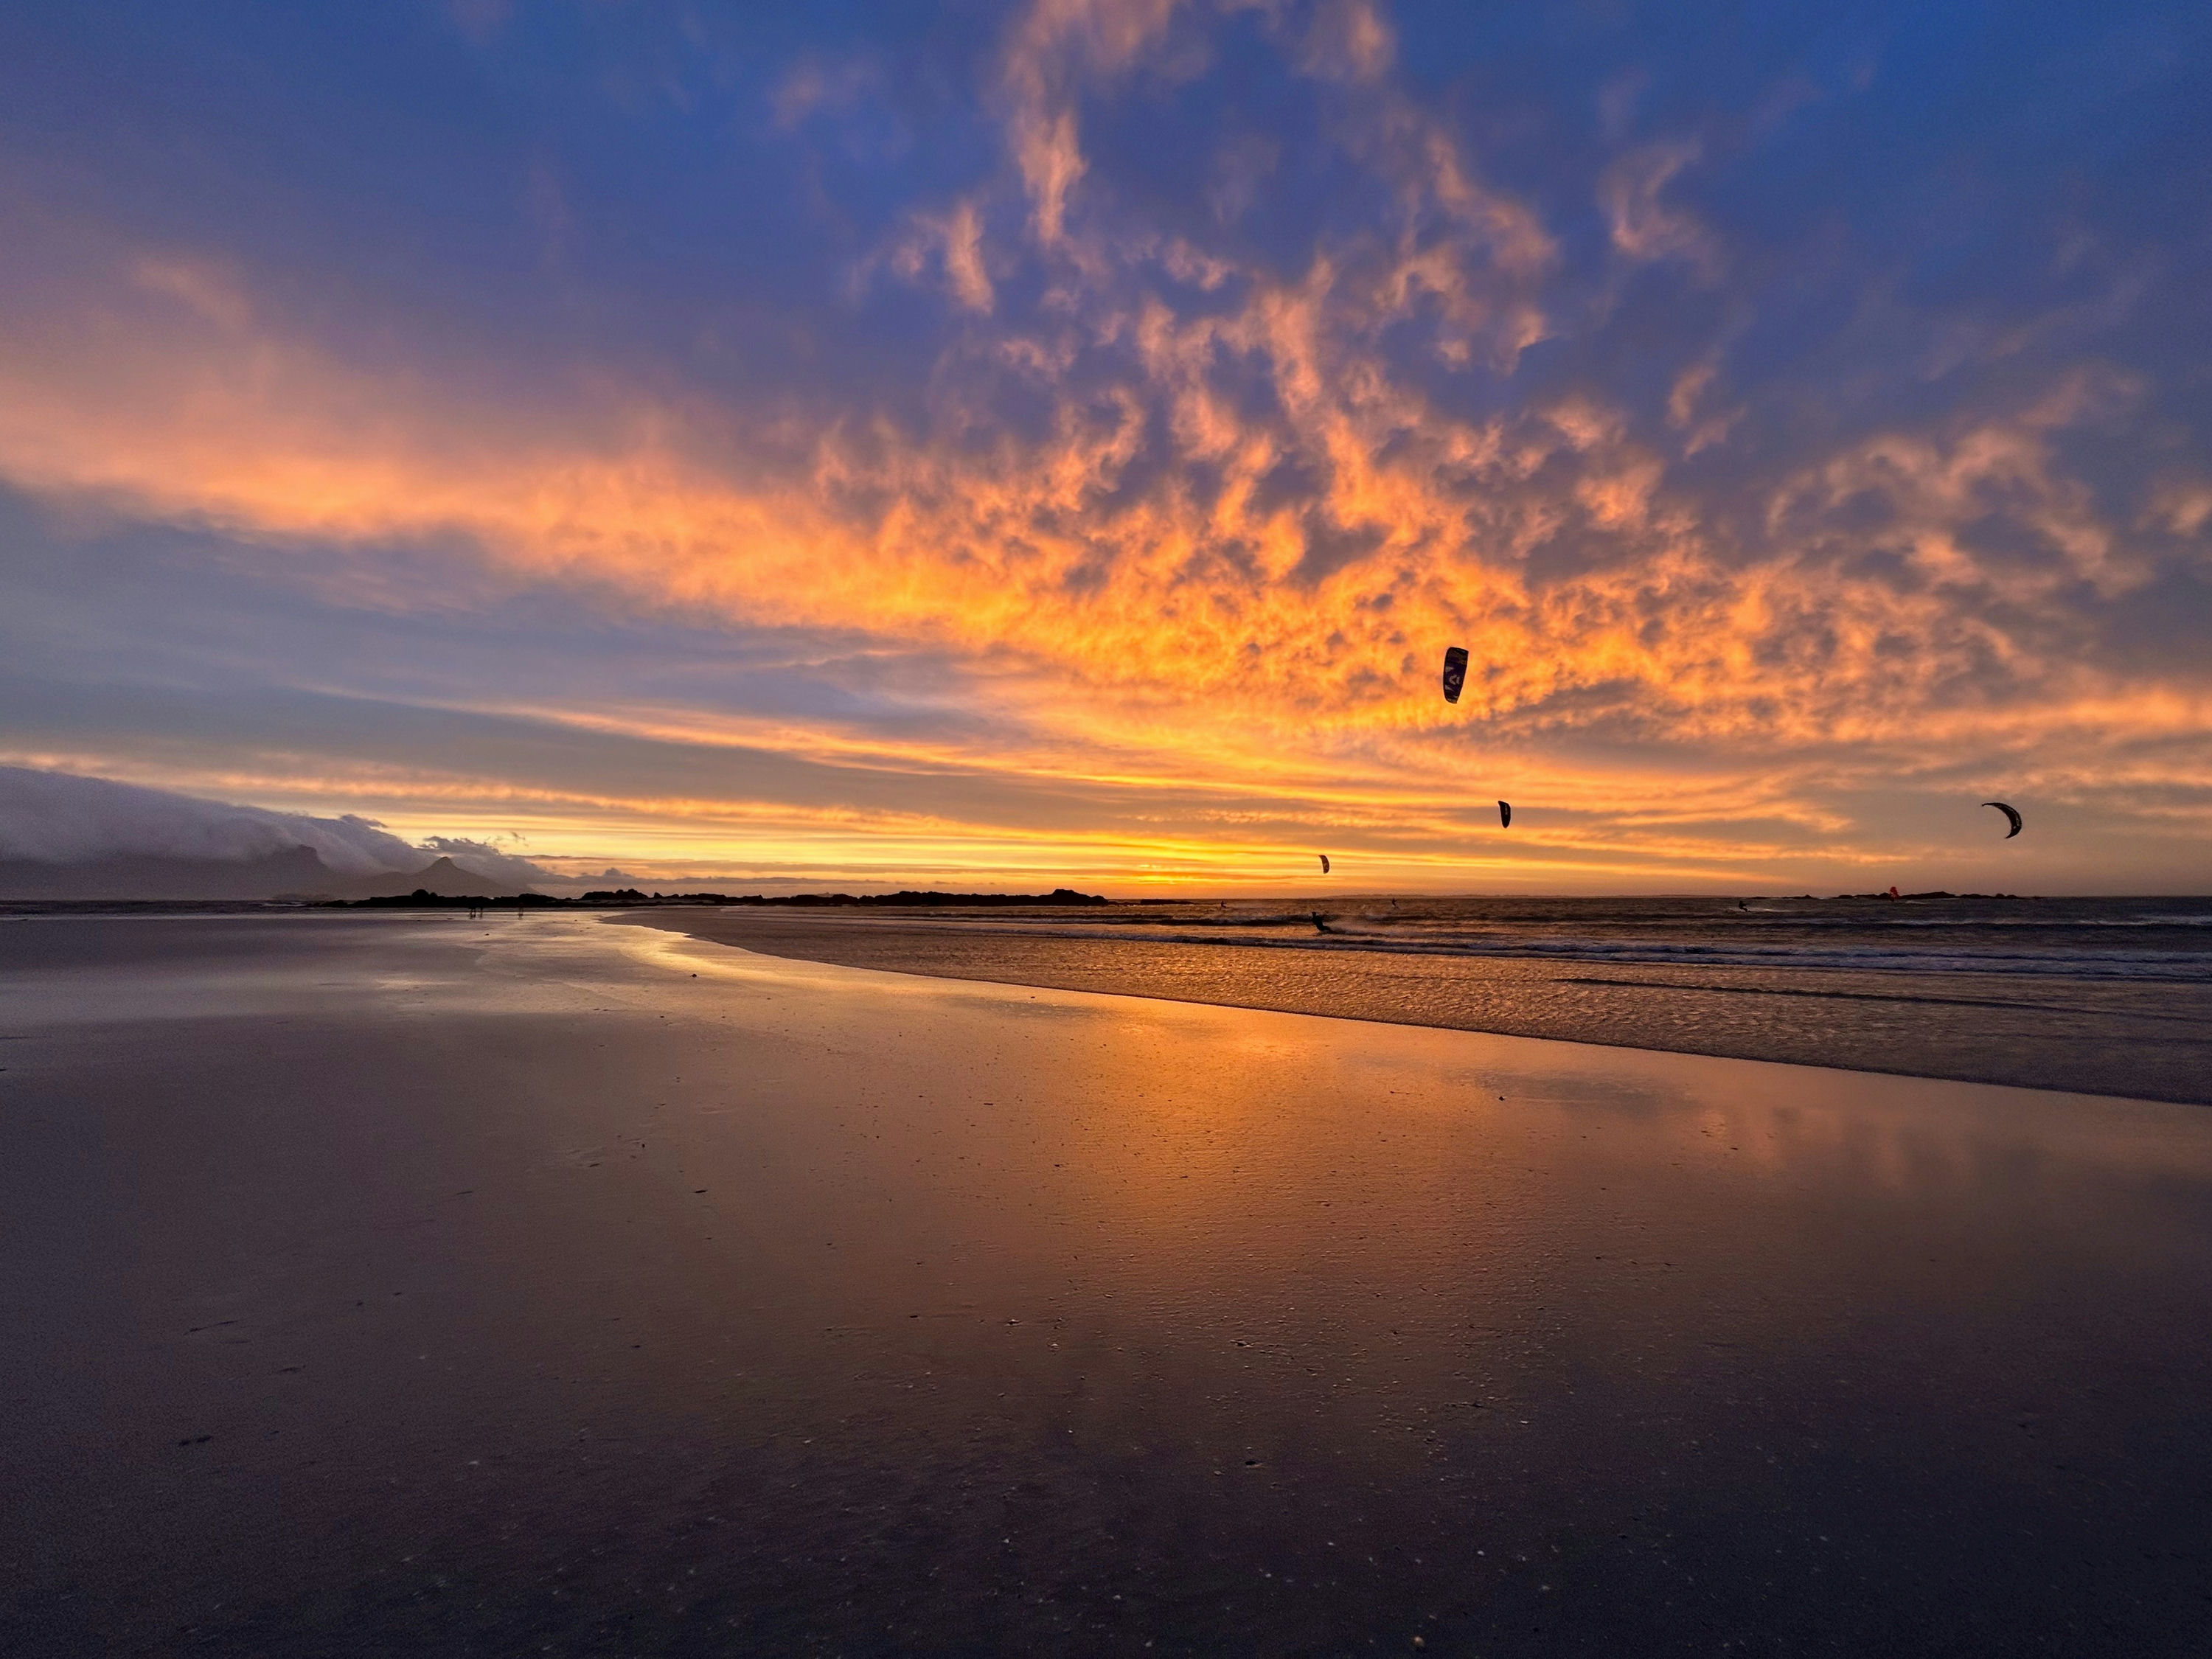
x: 423, y: 899
x: 442, y: 878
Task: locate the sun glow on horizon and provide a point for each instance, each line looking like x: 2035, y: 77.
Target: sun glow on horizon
x: 1097, y: 508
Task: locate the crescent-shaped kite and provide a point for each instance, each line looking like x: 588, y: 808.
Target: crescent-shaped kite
x: 1323, y: 857
x: 2011, y: 812
x: 1454, y: 673
x: 1505, y: 814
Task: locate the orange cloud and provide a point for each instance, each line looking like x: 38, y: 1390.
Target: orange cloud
x: 1210, y: 608
x: 1233, y: 542
x: 1644, y: 226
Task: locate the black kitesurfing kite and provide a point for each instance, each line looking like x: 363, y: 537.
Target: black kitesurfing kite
x: 1454, y: 683
x: 2012, y: 813
x: 1454, y: 673
x: 1323, y: 857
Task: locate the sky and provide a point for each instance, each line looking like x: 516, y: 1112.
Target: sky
x: 1012, y: 446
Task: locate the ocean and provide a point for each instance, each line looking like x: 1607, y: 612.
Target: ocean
x: 2095, y: 995
x: 2137, y: 940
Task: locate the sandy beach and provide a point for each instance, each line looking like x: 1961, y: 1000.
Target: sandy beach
x: 406, y: 1284
x: 2151, y: 1040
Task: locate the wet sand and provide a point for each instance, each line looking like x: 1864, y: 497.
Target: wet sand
x: 375, y: 1285
x: 2054, y: 1033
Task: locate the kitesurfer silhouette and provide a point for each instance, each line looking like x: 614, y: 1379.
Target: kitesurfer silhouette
x: 1454, y: 673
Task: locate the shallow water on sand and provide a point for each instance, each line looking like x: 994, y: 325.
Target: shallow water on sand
x: 2150, y: 941
x: 389, y: 1284
x: 2032, y: 994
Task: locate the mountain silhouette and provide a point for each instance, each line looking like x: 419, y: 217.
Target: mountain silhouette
x: 295, y: 872
x: 157, y: 876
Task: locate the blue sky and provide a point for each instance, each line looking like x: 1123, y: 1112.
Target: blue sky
x: 1000, y: 442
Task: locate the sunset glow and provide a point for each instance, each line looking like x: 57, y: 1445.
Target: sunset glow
x: 1055, y: 444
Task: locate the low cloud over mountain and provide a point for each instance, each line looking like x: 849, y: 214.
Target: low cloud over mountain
x: 62, y: 835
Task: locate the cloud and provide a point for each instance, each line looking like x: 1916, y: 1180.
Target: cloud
x: 951, y: 242
x: 209, y: 290
x: 55, y: 818
x: 1236, y: 415
x: 1349, y: 39
x: 1686, y: 406
x: 1056, y: 50
x: 812, y: 86
x: 486, y: 858
x: 1246, y: 513
x: 52, y: 818
x: 1647, y: 230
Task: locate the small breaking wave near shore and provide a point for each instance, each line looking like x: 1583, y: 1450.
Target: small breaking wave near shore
x: 2099, y: 995
x: 2151, y: 941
